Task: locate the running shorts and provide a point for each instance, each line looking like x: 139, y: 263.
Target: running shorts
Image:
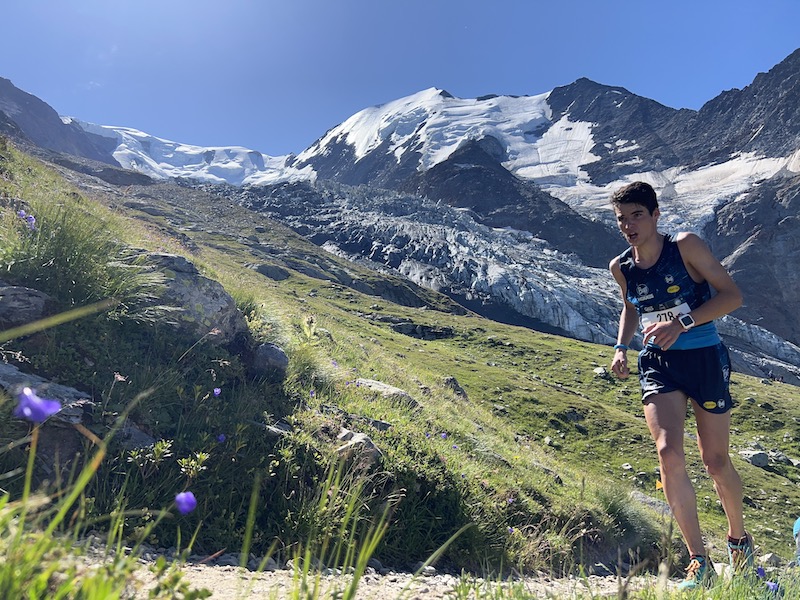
x: 703, y: 374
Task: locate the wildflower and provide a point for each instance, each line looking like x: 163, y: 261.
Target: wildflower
x: 186, y: 502
x: 217, y: 391
x: 221, y: 438
x: 455, y: 447
x: 334, y: 363
x: 21, y: 214
x: 444, y: 436
x: 773, y: 587
x: 510, y: 530
x: 311, y: 393
x: 511, y: 499
x: 31, y: 221
x: 33, y: 408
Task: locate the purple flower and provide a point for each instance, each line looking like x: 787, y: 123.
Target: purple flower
x: 217, y: 391
x: 761, y: 573
x: 772, y: 586
x: 444, y: 436
x: 33, y: 408
x: 221, y: 438
x: 31, y: 221
x: 186, y: 502
x: 21, y: 214
x: 311, y: 393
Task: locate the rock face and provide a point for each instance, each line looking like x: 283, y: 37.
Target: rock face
x: 204, y: 305
x: 37, y: 122
x: 758, y: 235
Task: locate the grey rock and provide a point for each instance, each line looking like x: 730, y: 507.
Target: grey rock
x: 269, y: 359
x: 20, y: 305
x: 389, y: 392
x: 360, y: 446
x: 757, y: 458
x: 207, y: 311
x: 273, y: 272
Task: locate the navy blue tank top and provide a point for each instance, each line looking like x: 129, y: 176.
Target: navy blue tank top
x: 666, y: 290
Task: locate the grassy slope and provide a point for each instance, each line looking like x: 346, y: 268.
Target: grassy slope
x: 540, y: 436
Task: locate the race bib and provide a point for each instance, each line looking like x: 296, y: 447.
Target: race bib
x: 664, y: 316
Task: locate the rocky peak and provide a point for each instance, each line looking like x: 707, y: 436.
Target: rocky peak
x: 40, y: 124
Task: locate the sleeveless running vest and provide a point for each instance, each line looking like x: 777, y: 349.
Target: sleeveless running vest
x: 666, y: 290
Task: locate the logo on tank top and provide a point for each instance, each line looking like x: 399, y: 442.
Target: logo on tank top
x: 643, y: 292
x: 670, y: 281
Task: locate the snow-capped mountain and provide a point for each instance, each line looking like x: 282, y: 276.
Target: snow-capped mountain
x: 502, y: 202
x: 164, y: 159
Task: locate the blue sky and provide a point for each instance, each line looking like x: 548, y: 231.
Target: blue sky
x: 275, y: 75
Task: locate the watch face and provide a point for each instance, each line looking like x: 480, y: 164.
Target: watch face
x: 686, y: 320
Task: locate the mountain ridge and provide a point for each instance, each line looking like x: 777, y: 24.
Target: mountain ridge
x: 544, y: 166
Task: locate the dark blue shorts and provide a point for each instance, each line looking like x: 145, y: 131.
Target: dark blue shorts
x: 703, y: 374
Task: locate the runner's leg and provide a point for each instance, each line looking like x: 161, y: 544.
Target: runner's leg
x: 666, y: 415
x: 713, y: 434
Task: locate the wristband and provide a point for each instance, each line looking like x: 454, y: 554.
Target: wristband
x: 620, y: 347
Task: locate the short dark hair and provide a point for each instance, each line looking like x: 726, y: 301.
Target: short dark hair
x: 637, y: 192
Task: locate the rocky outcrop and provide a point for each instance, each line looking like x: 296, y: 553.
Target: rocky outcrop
x: 203, y: 310
x: 204, y: 307
x: 64, y: 436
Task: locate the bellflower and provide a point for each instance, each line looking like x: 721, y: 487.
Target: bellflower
x: 186, y: 502
x: 221, y: 438
x: 217, y: 391
x: 773, y: 587
x: 33, y: 408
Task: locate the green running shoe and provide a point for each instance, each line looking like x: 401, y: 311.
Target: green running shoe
x: 698, y: 573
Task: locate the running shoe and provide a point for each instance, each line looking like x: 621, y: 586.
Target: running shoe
x: 698, y: 573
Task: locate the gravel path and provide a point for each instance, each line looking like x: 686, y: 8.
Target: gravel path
x: 230, y: 582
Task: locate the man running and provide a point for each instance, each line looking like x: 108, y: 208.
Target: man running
x: 666, y: 283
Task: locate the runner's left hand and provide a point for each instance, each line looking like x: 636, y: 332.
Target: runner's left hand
x: 663, y: 335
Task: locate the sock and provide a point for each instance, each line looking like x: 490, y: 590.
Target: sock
x: 738, y: 542
x: 698, y: 557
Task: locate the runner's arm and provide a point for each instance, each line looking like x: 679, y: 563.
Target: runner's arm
x: 628, y: 322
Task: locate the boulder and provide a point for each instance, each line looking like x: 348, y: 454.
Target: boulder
x: 269, y: 360
x: 757, y: 458
x: 205, y: 306
x: 389, y: 392
x: 20, y: 305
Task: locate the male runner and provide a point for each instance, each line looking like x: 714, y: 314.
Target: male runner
x: 666, y: 283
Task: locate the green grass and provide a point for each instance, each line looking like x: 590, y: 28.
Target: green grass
x: 526, y: 466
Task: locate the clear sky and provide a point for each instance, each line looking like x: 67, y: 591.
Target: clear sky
x: 275, y: 75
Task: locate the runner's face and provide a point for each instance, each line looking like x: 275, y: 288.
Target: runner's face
x: 636, y: 223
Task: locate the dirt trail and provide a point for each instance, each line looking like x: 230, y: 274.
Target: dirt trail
x: 235, y: 583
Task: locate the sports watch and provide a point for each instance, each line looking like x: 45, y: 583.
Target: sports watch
x: 687, y: 321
